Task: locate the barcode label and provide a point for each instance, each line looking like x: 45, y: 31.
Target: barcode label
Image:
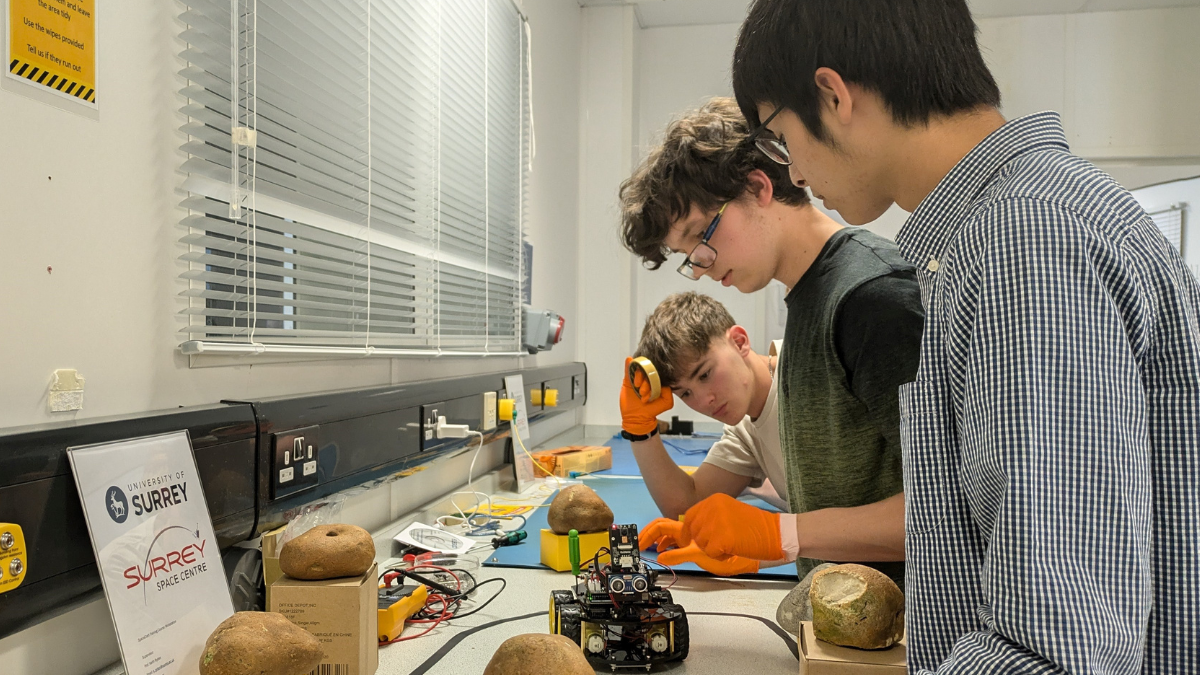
x: 332, y: 669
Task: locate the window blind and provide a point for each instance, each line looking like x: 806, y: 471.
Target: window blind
x: 1170, y: 223
x: 355, y: 176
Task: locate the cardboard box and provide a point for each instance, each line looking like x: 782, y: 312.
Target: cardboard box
x: 343, y: 614
x: 822, y: 658
x: 581, y: 458
x: 270, y: 552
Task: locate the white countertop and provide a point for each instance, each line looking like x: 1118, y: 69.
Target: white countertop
x: 719, y: 644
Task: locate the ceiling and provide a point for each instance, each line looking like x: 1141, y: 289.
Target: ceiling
x: 659, y: 13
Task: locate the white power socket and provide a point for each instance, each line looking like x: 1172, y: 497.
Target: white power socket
x: 488, y: 422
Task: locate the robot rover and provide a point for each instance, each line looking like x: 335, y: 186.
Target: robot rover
x: 617, y: 613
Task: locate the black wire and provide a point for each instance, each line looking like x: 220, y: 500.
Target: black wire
x: 454, y: 601
x: 596, y: 561
x: 457, y: 595
x: 454, y: 641
x: 503, y: 585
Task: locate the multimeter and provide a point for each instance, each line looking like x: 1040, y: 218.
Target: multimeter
x: 396, y: 605
x: 13, y: 556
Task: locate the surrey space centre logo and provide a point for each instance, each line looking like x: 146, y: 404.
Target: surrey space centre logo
x: 116, y: 504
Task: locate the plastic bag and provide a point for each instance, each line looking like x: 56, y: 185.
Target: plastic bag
x: 324, y: 511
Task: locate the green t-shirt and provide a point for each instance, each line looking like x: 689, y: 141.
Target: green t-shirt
x: 853, y: 337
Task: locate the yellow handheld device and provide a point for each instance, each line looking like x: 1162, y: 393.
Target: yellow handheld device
x: 396, y: 605
x: 643, y: 364
x: 13, y: 556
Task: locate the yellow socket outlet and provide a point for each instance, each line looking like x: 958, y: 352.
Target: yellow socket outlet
x: 507, y: 407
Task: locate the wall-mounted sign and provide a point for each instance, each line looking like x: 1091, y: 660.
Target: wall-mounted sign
x: 154, y: 543
x: 52, y: 44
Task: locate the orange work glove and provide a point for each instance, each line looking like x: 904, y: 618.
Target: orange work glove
x: 730, y: 567
x: 638, y: 416
x: 662, y: 534
x: 722, y: 527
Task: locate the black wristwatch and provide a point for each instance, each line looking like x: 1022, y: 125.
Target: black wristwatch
x: 638, y: 437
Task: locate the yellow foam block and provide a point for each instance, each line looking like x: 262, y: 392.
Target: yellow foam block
x: 556, y: 551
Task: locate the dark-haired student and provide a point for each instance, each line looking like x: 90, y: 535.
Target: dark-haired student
x: 1052, y: 435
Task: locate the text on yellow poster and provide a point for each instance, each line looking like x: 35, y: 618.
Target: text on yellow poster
x: 53, y: 43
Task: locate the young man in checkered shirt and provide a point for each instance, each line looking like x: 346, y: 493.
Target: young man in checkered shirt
x: 1052, y: 436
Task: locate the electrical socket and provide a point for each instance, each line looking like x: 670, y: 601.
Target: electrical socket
x: 429, y: 418
x: 294, y: 459
x: 488, y: 422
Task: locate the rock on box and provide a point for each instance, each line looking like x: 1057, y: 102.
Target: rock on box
x: 818, y: 657
x: 342, y: 613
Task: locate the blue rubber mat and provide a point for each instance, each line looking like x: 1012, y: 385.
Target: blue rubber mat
x: 685, y: 451
x: 631, y: 503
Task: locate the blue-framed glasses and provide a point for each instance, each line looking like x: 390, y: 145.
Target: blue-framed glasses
x: 703, y: 255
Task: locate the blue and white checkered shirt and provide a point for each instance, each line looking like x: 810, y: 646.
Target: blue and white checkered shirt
x: 1052, y: 437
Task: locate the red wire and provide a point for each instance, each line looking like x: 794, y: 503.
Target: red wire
x: 444, y: 615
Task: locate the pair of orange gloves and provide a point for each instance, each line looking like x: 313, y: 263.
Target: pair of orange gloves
x: 719, y: 534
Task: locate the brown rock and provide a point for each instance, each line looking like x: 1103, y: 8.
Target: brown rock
x: 260, y: 643
x: 328, y: 551
x: 857, y: 606
x: 538, y: 654
x: 578, y: 507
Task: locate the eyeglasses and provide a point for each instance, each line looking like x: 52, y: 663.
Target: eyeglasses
x: 703, y: 255
x: 769, y: 144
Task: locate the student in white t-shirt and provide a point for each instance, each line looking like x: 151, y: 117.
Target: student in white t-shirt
x: 705, y: 359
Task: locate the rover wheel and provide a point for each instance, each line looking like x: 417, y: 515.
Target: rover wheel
x: 570, y: 623
x: 681, y: 633
x: 557, y: 600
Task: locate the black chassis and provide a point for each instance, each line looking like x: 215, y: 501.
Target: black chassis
x: 625, y: 629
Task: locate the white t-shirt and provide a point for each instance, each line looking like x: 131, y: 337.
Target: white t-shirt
x: 751, y: 447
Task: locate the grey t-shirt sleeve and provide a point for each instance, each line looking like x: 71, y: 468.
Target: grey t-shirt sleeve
x: 877, y: 335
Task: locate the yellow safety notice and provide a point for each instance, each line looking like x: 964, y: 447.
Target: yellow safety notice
x: 52, y: 43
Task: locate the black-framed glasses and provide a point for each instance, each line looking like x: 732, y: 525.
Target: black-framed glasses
x: 769, y: 144
x: 703, y: 255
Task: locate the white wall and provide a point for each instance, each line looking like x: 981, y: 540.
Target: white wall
x: 76, y: 192
x: 607, y: 136
x: 1125, y: 82
x: 554, y: 184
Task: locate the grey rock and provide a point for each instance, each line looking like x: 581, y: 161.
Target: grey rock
x: 796, y: 606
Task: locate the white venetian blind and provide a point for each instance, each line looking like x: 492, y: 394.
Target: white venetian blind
x: 1170, y: 223
x: 356, y: 175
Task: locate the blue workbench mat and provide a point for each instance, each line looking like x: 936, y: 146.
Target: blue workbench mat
x: 631, y: 503
x: 686, y: 451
